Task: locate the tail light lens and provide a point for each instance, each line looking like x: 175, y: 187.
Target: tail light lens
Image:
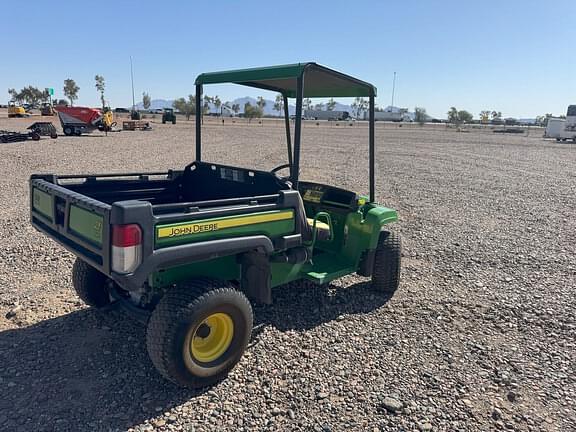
x: 126, y: 248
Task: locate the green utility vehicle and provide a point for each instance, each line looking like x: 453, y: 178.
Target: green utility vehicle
x: 168, y: 116
x: 189, y: 250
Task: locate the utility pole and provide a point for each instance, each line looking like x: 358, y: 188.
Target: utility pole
x: 393, y: 89
x: 132, y: 79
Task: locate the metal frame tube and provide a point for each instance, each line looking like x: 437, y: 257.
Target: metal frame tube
x: 371, y: 156
x: 297, y: 130
x: 198, y: 122
x: 287, y: 123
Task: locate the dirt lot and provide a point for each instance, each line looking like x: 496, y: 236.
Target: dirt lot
x: 480, y: 335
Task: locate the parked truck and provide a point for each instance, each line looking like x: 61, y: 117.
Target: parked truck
x: 562, y: 129
x: 326, y: 115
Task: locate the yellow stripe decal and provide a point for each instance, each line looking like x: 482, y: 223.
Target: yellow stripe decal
x: 218, y: 224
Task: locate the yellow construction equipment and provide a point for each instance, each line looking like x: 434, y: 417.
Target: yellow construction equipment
x: 15, y: 110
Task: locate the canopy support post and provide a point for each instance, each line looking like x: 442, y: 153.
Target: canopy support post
x: 198, y: 105
x: 287, y: 123
x: 297, y: 130
x: 371, y: 156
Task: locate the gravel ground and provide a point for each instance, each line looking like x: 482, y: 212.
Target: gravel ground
x: 480, y: 335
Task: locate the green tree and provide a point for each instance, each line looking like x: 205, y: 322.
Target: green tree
x: 420, y: 115
x: 496, y: 117
x: 359, y: 106
x: 307, y: 103
x: 217, y: 103
x: 465, y: 116
x: 319, y: 106
x: 100, y: 86
x: 543, y: 119
x: 251, y: 111
x: 458, y: 117
x: 71, y: 90
x: 14, y: 95
x: 206, y: 106
x: 331, y: 104
x: 279, y: 104
x: 453, y: 116
x: 185, y: 106
x: 146, y: 100
x: 484, y: 116
x: 29, y: 94
x: 236, y: 108
x: 261, y: 103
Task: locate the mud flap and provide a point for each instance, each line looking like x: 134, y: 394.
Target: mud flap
x: 367, y: 263
x: 256, y: 277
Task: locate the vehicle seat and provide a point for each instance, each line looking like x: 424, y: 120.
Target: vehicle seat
x: 306, y: 224
x: 322, y: 228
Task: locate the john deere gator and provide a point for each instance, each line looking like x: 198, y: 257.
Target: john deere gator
x: 189, y: 251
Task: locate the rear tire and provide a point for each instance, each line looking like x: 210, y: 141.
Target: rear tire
x: 90, y: 284
x: 386, y: 271
x: 68, y: 131
x: 198, y: 332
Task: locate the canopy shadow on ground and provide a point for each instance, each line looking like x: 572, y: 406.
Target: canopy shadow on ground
x: 89, y: 370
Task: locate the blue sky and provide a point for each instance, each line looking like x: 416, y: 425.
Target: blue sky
x: 512, y: 56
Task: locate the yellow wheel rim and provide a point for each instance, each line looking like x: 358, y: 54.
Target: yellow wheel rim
x: 212, y: 337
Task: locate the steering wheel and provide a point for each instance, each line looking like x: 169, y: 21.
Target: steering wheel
x: 280, y: 168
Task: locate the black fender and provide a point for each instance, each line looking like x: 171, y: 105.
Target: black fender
x: 193, y: 252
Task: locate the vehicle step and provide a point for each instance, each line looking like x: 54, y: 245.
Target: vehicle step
x: 327, y: 267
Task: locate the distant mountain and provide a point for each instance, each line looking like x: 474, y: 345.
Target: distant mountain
x: 156, y: 104
x: 268, y: 108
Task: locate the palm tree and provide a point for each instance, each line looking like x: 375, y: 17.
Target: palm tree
x: 279, y: 104
x: 261, y: 103
x: 331, y: 104
x: 217, y: 103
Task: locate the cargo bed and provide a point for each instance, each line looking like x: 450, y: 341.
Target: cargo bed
x: 79, y: 212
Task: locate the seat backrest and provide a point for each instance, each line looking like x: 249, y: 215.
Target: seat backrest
x: 302, y: 222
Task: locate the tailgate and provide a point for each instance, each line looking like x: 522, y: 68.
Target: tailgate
x: 77, y: 222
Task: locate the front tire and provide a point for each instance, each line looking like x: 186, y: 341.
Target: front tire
x: 386, y: 271
x: 90, y: 284
x: 198, y: 332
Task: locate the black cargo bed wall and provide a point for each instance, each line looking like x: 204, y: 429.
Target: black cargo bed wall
x: 203, y: 182
x: 164, y: 191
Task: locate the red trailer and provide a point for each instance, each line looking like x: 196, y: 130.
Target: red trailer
x: 76, y: 120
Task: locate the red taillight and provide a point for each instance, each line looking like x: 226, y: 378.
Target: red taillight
x: 126, y: 248
x: 126, y: 235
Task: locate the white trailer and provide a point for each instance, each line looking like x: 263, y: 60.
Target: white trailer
x: 400, y: 116
x: 391, y: 116
x: 326, y: 115
x: 560, y: 129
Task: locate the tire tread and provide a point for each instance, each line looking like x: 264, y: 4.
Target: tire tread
x: 180, y: 301
x: 386, y: 271
x: 89, y: 284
